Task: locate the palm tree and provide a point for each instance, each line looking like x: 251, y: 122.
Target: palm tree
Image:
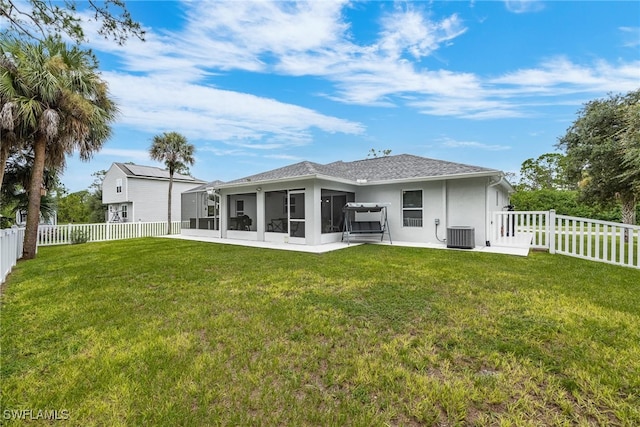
x: 62, y: 106
x: 16, y: 179
x: 7, y: 143
x: 176, y: 153
x: 8, y: 140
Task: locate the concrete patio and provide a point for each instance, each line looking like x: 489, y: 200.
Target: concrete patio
x: 518, y: 246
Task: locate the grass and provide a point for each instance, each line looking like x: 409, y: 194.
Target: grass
x: 612, y: 248
x: 166, y: 332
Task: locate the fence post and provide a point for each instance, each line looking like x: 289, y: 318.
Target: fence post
x: 551, y: 227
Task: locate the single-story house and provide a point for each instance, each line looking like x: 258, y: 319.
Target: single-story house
x: 304, y: 203
x: 135, y: 193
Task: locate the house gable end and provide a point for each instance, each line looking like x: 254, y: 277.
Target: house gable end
x: 114, y: 175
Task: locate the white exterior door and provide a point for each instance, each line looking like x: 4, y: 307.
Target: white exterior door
x: 296, y: 218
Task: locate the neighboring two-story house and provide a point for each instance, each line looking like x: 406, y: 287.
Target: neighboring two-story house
x: 139, y: 193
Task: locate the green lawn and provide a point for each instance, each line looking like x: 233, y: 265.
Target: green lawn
x: 177, y: 333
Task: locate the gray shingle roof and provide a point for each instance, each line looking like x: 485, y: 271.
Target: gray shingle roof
x: 203, y: 187
x: 292, y: 171
x: 153, y: 172
x: 378, y: 169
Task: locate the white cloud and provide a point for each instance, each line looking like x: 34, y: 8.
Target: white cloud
x: 561, y: 75
x: 234, y: 151
x: 631, y: 36
x: 284, y: 157
x: 156, y: 104
x: 169, y: 81
x: 268, y: 26
x: 129, y: 155
x: 450, y: 143
x: 476, y: 109
x: 165, y: 82
x: 524, y: 6
x: 411, y: 31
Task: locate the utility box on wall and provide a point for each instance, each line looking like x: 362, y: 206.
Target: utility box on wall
x: 461, y: 237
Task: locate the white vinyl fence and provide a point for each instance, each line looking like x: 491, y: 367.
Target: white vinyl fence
x: 512, y: 223
x: 49, y: 235
x: 603, y: 241
x: 11, y: 240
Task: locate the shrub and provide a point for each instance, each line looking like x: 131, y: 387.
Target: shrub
x: 78, y: 236
x: 565, y: 202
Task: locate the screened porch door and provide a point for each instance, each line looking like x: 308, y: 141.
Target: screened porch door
x: 295, y: 214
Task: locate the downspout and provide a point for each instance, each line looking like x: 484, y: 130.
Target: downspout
x: 445, y: 212
x: 198, y: 205
x: 498, y: 182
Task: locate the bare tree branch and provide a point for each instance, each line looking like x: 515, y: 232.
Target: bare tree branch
x: 48, y: 18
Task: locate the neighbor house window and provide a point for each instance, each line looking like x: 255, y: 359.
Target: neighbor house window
x: 123, y: 211
x: 118, y: 186
x: 412, y: 208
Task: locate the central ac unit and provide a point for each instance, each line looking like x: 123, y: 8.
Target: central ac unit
x: 461, y: 237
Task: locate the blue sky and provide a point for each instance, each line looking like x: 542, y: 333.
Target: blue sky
x: 260, y: 85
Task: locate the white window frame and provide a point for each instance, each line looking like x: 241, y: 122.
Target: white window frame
x: 285, y: 205
x: 119, y: 185
x: 123, y: 212
x: 419, y: 221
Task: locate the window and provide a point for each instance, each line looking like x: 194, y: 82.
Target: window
x: 239, y: 207
x: 285, y: 205
x: 123, y: 210
x: 118, y: 185
x: 412, y: 208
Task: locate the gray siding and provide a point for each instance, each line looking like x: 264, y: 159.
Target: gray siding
x: 150, y: 198
x: 109, y: 195
x: 146, y: 198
